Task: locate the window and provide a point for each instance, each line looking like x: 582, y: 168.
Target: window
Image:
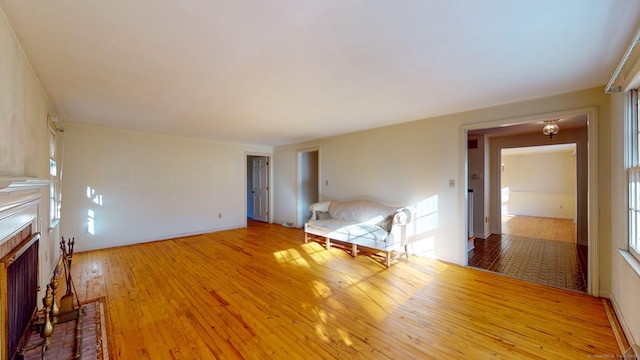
x: 633, y: 163
x: 55, y: 171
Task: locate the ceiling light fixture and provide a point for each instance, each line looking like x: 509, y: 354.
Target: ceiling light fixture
x: 550, y: 128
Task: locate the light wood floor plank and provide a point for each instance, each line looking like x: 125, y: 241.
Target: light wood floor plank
x: 261, y: 293
x: 540, y: 228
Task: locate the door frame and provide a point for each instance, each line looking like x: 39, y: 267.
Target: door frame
x: 269, y: 157
x: 593, y: 286
x: 299, y: 182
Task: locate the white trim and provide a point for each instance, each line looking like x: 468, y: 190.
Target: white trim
x: 631, y: 260
x: 593, y: 260
x: 463, y: 193
x: 166, y: 237
x: 298, y: 182
x: 627, y: 55
x: 621, y: 319
x: 9, y: 184
x: 593, y: 286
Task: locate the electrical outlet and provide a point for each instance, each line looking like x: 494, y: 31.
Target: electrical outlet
x: 452, y: 183
x: 219, y: 215
x: 486, y: 219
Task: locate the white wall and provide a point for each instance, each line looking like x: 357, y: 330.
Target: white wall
x: 24, y: 142
x: 412, y: 163
x: 151, y: 186
x: 539, y: 184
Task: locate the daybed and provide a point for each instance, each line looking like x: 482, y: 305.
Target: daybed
x: 360, y: 223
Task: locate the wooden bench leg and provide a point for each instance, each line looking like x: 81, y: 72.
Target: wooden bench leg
x: 328, y: 244
x: 388, y: 259
x: 354, y: 250
x: 406, y: 250
x: 306, y: 238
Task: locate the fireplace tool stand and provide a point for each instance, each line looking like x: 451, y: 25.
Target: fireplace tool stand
x: 53, y: 313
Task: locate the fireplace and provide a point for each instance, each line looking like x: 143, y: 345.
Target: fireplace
x: 19, y: 276
x: 19, y: 259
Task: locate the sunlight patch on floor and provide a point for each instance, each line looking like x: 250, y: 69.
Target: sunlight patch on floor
x: 290, y: 256
x: 320, y: 288
x: 316, y: 251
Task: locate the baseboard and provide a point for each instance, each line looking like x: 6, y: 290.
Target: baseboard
x: 482, y: 236
x: 632, y: 353
x: 623, y: 324
x: 159, y: 238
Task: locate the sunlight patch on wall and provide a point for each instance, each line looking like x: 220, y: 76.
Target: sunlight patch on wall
x: 93, y: 196
x: 505, y: 200
x: 426, y: 247
x: 96, y: 199
x: 91, y: 222
x: 425, y: 223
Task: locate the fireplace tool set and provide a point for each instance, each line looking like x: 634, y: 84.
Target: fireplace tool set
x: 53, y: 313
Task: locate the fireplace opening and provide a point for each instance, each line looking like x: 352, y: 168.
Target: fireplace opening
x: 19, y: 276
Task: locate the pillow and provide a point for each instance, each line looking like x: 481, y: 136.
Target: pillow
x: 386, y: 223
x: 320, y: 206
x: 322, y: 215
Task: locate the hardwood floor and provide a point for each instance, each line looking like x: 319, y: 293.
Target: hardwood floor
x: 548, y: 262
x: 537, y: 249
x: 261, y: 293
x: 540, y: 228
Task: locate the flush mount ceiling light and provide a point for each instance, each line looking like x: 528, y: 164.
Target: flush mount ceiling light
x: 550, y: 128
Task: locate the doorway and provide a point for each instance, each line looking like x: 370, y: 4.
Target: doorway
x: 258, y: 188
x: 539, y: 192
x: 308, y: 183
x: 543, y: 193
x: 538, y: 197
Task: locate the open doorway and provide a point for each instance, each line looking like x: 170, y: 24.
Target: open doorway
x: 543, y: 181
x: 308, y: 183
x: 539, y: 192
x: 258, y: 188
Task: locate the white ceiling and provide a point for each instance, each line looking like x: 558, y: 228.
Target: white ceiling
x: 274, y: 72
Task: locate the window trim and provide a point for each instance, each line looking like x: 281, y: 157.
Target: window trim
x: 55, y: 156
x: 632, y: 165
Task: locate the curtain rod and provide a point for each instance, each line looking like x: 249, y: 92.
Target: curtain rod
x: 610, y: 88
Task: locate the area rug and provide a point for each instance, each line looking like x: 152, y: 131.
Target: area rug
x: 95, y: 336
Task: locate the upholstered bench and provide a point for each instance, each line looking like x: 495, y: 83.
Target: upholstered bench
x: 360, y: 223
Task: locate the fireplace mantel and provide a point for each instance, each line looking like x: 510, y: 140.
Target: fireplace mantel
x: 11, y: 184
x: 20, y: 198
